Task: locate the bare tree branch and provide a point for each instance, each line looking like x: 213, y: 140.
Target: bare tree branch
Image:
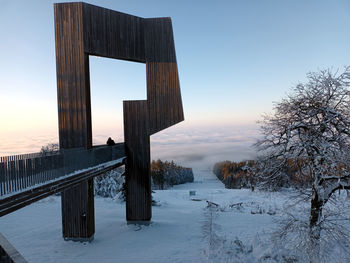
x: 310, y: 128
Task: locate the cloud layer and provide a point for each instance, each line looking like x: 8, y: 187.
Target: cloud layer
x: 201, y: 147
x: 198, y: 147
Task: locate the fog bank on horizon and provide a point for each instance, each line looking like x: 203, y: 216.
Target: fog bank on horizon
x: 198, y: 146
x: 201, y: 147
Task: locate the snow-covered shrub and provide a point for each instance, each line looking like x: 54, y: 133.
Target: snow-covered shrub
x: 166, y: 174
x: 110, y: 184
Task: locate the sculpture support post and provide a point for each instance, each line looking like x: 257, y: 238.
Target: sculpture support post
x: 74, y: 115
x: 138, y: 178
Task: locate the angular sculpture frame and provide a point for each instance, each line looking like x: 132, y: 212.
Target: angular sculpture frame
x: 81, y: 30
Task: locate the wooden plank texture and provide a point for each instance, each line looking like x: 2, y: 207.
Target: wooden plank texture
x: 137, y: 149
x: 82, y: 30
x: 163, y: 87
x: 73, y: 83
x: 74, y: 114
x: 112, y: 34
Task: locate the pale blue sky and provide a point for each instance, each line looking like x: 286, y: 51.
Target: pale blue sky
x: 234, y: 59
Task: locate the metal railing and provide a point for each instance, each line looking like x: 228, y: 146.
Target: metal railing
x: 20, y: 172
x: 17, y: 200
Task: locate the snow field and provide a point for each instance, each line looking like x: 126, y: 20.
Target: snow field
x: 182, y: 230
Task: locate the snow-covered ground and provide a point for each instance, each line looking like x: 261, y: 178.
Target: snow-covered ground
x: 183, y: 228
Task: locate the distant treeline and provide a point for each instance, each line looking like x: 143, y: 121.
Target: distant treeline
x: 166, y: 174
x: 235, y: 175
x: 245, y: 174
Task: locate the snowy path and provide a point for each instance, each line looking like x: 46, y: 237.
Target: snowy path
x: 182, y: 230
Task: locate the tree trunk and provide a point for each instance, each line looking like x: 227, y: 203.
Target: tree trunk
x: 315, y: 227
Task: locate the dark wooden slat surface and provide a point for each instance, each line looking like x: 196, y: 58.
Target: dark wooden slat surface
x: 112, y: 34
x: 74, y: 114
x: 83, y: 30
x: 73, y: 84
x: 137, y: 149
x: 163, y: 87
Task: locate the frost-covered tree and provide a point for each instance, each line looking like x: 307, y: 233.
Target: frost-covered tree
x: 311, y: 127
x: 49, y: 148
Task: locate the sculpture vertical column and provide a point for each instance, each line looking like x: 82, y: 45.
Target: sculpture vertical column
x: 74, y: 115
x: 137, y: 148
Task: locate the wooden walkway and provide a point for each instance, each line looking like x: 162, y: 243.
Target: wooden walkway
x: 25, y: 179
x: 20, y: 172
x: 16, y: 200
